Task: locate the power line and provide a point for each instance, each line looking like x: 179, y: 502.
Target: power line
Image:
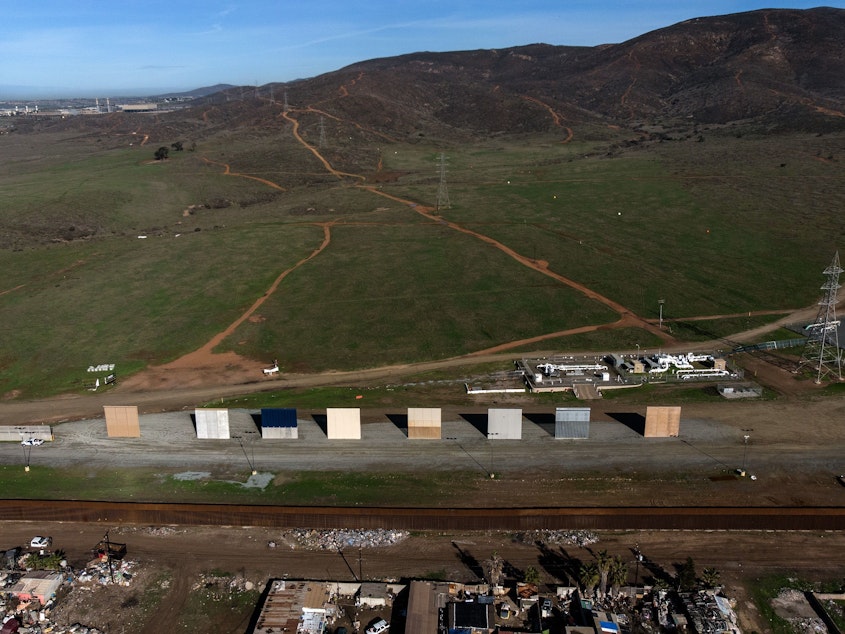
x: 822, y: 351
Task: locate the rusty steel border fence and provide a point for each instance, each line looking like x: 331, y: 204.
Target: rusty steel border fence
x: 511, y: 519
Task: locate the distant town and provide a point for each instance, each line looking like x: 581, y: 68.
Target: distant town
x: 91, y: 106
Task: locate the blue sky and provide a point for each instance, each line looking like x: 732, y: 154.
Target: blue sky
x: 110, y: 47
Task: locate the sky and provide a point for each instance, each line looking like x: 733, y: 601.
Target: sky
x: 85, y: 48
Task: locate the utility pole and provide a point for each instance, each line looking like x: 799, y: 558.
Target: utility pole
x: 660, y: 303
x: 442, y: 190
x: 745, y: 452
x: 822, y: 352
x: 108, y: 556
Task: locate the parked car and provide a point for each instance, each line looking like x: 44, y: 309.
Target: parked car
x: 40, y: 542
x: 379, y: 627
x: 32, y: 442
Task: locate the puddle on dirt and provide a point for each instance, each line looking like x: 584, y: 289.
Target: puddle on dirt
x: 192, y: 475
x: 257, y: 481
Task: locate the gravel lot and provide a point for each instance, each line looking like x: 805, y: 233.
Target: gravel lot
x: 795, y: 463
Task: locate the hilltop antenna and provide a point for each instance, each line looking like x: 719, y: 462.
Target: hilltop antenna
x: 442, y: 190
x: 322, y: 132
x: 822, y: 350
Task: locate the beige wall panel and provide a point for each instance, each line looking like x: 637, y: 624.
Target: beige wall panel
x: 662, y: 422
x: 424, y: 433
x: 122, y: 421
x: 424, y: 423
x: 343, y: 423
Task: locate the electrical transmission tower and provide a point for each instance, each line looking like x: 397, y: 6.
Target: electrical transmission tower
x: 442, y: 190
x: 322, y: 132
x: 821, y: 352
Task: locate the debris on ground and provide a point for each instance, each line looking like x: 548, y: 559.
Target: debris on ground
x: 558, y: 537
x: 337, y: 539
x: 156, y: 531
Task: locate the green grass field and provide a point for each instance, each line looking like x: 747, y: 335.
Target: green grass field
x: 311, y: 488
x: 720, y: 227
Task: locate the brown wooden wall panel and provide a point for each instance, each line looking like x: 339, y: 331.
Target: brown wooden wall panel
x: 122, y: 421
x: 662, y: 422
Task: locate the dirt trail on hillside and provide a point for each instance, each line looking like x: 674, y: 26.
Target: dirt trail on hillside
x: 227, y: 171
x: 204, y: 359
x: 556, y: 117
x: 202, y: 374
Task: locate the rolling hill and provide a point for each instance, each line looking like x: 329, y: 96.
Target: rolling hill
x: 700, y: 164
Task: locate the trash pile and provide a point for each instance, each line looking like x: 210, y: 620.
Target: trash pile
x: 99, y: 570
x: 221, y: 586
x: 795, y: 608
x: 558, y: 537
x: 337, y: 539
x: 31, y: 617
x: 156, y: 531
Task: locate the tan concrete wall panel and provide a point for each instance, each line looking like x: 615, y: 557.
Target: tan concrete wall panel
x: 424, y: 423
x: 212, y: 423
x: 662, y: 422
x: 122, y: 421
x: 343, y: 423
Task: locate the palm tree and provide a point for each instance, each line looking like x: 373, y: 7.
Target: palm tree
x: 603, y: 562
x: 687, y: 575
x: 532, y: 576
x: 494, y: 567
x: 588, y: 577
x: 710, y: 577
x: 618, y: 574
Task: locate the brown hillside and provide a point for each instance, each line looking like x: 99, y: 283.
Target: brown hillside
x: 775, y: 69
